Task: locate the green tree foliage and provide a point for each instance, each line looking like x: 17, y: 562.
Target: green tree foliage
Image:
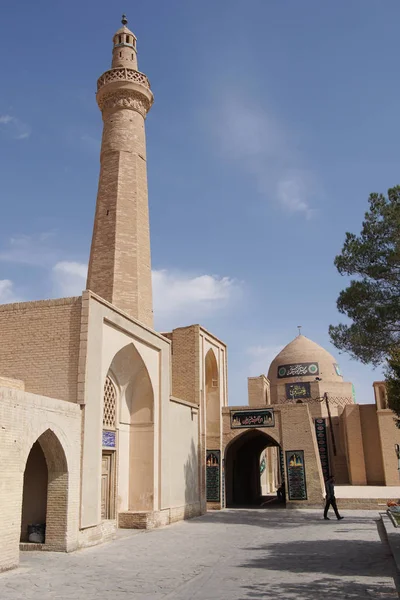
x: 392, y: 376
x: 372, y: 300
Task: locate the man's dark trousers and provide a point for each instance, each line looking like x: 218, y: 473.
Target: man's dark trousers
x: 331, y: 502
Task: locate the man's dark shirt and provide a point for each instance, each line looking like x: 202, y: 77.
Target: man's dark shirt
x: 330, y: 490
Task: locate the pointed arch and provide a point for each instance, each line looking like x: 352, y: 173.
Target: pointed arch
x: 135, y: 423
x: 242, y: 466
x: 45, y: 490
x: 212, y: 388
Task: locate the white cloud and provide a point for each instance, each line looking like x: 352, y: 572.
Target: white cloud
x: 260, y: 359
x: 253, y: 138
x: 69, y: 278
x: 292, y: 193
x: 180, y: 298
x: 33, y: 250
x: 14, y: 127
x: 7, y: 294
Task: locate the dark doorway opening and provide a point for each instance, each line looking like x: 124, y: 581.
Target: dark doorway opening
x: 34, y: 500
x: 45, y: 494
x: 242, y: 469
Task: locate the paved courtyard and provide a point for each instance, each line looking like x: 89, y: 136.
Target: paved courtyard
x: 230, y: 555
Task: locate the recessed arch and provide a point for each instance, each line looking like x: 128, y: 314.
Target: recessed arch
x: 45, y: 490
x: 135, y: 423
x: 212, y: 389
x: 242, y: 467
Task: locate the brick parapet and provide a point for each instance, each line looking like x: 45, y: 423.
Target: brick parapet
x: 40, y: 345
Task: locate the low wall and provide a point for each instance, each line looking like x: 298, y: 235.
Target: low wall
x: 161, y: 518
x: 25, y: 417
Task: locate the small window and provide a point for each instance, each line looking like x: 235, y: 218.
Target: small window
x: 120, y: 39
x: 127, y: 39
x: 132, y: 56
x: 120, y: 54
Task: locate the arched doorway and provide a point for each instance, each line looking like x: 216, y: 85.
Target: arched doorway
x: 45, y: 492
x: 242, y: 468
x: 134, y: 416
x: 213, y: 408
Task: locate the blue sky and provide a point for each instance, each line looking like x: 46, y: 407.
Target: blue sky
x: 272, y: 123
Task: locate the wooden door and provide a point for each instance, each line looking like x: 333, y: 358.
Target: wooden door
x: 106, y: 486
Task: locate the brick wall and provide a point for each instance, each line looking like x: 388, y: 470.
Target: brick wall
x: 185, y: 363
x: 354, y: 445
x: 372, y: 445
x: 40, y: 345
x: 389, y: 436
x: 258, y: 390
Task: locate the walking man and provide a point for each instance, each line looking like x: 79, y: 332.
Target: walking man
x: 330, y: 498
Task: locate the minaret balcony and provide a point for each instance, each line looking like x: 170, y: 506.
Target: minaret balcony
x: 122, y: 74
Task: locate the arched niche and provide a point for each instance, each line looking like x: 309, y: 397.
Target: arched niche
x: 213, y: 407
x: 136, y: 429
x: 242, y: 467
x: 45, y: 491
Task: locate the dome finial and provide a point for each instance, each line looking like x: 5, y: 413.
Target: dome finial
x: 299, y: 328
x: 124, y: 20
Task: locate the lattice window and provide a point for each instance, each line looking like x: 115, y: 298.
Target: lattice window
x: 122, y: 74
x: 109, y: 404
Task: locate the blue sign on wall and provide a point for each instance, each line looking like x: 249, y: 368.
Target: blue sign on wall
x: 108, y: 439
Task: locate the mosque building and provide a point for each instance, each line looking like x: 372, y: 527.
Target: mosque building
x: 106, y: 423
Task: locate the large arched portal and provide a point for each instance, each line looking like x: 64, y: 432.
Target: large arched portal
x: 242, y: 468
x: 135, y: 418
x: 45, y: 493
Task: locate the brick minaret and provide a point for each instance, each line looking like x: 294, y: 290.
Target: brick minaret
x: 119, y: 265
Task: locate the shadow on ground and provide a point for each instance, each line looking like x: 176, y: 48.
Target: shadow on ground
x: 333, y: 557
x: 274, y: 519
x: 327, y: 587
x: 338, y: 562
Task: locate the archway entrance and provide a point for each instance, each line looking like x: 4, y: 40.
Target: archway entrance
x: 242, y: 468
x: 133, y: 417
x: 45, y: 494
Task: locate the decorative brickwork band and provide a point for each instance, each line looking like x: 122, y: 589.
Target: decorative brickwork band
x: 124, y: 99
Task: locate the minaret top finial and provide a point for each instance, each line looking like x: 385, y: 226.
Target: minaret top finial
x: 124, y: 20
x: 299, y: 327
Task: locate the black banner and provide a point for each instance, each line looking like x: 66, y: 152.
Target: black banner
x: 252, y: 418
x: 320, y: 431
x: 213, y: 475
x: 298, y: 370
x: 297, y: 390
x: 281, y: 464
x: 296, y: 475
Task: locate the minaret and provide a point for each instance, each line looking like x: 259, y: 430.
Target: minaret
x: 120, y: 265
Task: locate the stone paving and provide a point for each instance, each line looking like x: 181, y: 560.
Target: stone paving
x: 226, y: 555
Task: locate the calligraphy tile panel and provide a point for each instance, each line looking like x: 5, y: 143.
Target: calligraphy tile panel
x: 252, y: 418
x: 108, y: 439
x: 298, y: 390
x: 298, y: 370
